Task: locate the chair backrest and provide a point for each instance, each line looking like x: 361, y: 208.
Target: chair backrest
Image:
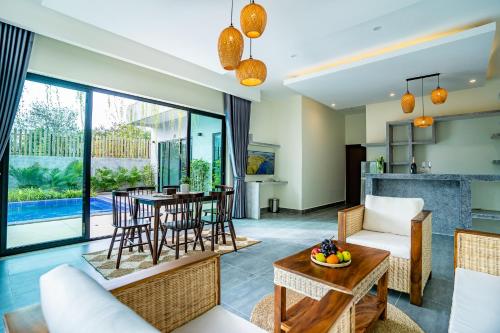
x: 224, y: 206
x: 224, y: 187
x: 121, y: 208
x: 187, y: 209
x: 143, y: 210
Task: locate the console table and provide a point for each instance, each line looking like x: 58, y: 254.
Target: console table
x: 253, y: 191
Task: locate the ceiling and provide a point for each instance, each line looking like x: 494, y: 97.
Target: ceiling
x: 301, y: 35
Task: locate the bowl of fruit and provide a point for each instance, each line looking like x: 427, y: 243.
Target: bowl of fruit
x: 330, y: 255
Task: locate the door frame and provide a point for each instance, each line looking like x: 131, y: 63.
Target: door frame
x: 87, y: 158
x: 347, y: 148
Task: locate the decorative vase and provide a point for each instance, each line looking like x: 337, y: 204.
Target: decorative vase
x: 184, y: 188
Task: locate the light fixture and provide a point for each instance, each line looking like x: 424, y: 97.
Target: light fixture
x: 392, y: 94
x: 407, y: 101
x: 253, y: 19
x: 377, y: 28
x: 423, y: 121
x: 472, y: 81
x: 230, y: 46
x: 251, y: 72
x: 333, y: 105
x: 439, y: 95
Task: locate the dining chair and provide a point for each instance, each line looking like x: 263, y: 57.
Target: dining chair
x: 223, y: 215
x: 186, y: 217
x: 143, y: 211
x: 212, y: 208
x: 124, y: 221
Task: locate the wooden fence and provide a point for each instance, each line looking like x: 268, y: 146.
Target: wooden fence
x: 46, y: 143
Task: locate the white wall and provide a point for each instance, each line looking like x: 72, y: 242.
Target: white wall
x: 56, y: 59
x: 355, y: 128
x: 323, y: 155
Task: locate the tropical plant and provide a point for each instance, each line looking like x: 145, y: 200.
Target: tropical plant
x: 200, y: 170
x: 35, y: 194
x: 106, y: 179
x: 147, y: 176
x: 32, y: 176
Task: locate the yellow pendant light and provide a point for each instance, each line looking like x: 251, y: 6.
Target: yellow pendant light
x: 253, y: 20
x: 423, y: 121
x: 230, y: 46
x: 439, y: 95
x: 407, y: 101
x: 251, y: 72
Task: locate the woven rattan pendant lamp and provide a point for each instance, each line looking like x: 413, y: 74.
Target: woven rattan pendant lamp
x: 230, y: 46
x: 423, y: 121
x: 407, y: 101
x: 439, y: 95
x: 253, y: 20
x: 251, y: 72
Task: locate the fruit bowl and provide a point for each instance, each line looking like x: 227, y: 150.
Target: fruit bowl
x: 344, y: 264
x: 330, y: 254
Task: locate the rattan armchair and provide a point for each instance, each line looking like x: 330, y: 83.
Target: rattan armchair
x: 405, y: 275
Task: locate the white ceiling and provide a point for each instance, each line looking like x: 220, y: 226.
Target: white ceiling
x: 315, y: 32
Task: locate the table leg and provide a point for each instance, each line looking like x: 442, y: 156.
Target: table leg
x: 156, y: 227
x: 382, y: 291
x: 279, y: 307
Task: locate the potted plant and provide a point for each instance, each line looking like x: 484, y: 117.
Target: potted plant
x: 380, y: 164
x: 185, y: 184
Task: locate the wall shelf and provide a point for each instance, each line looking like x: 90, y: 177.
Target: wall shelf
x: 261, y: 144
x: 486, y: 214
x: 400, y: 163
x: 375, y: 144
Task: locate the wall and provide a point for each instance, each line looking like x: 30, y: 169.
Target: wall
x: 323, y: 155
x: 355, y: 128
x: 60, y: 60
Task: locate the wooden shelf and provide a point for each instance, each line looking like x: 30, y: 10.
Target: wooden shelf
x: 486, y: 214
x: 400, y: 163
x: 375, y: 144
x: 423, y: 142
x: 399, y: 143
x: 368, y: 310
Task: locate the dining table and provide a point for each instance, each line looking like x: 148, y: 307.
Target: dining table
x: 157, y: 201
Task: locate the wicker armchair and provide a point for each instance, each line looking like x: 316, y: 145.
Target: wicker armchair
x: 410, y: 274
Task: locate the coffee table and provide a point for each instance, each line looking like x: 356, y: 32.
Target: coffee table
x: 368, y: 266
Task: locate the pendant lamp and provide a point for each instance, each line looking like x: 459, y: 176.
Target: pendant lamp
x: 253, y: 20
x: 407, y: 101
x: 423, y: 121
x: 439, y: 95
x: 251, y: 72
x: 230, y: 46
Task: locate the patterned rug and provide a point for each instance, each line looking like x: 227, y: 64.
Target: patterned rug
x: 397, y: 321
x: 135, y: 261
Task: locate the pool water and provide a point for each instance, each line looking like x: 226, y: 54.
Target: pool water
x: 32, y: 211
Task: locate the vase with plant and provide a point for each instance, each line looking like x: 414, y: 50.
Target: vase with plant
x: 380, y: 164
x: 185, y: 184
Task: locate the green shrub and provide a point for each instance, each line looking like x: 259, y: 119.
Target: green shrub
x: 36, y: 194
x: 106, y: 179
x: 200, y: 175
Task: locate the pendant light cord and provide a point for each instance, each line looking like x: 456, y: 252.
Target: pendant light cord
x: 423, y: 107
x: 407, y: 91
x: 251, y: 48
x: 232, y: 6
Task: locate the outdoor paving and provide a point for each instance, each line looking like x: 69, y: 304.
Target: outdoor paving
x: 246, y: 276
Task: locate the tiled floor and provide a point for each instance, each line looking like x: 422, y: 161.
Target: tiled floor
x: 247, y: 275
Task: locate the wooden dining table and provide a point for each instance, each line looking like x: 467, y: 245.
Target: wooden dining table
x: 158, y: 200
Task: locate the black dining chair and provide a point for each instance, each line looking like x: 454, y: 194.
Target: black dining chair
x: 223, y: 215
x: 143, y: 211
x: 124, y: 222
x: 186, y: 217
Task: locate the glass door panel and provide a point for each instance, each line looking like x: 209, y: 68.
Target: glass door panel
x: 206, y: 152
x: 45, y: 169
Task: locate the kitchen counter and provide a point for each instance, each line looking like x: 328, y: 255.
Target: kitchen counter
x: 448, y: 196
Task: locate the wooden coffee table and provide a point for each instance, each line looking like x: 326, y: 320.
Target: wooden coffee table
x: 299, y: 273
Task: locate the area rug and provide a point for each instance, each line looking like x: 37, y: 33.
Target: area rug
x: 135, y: 261
x: 397, y: 321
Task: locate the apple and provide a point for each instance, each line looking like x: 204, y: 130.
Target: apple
x: 315, y: 251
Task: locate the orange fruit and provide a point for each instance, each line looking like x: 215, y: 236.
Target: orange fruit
x: 332, y: 259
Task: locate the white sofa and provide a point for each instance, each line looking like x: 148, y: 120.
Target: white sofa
x: 71, y: 301
x: 476, y: 295
x: 397, y: 225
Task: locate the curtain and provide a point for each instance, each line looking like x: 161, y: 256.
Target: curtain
x: 237, y: 112
x: 15, y: 50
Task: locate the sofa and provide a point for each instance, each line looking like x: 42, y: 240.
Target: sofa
x: 180, y: 296
x: 476, y: 303
x: 398, y: 225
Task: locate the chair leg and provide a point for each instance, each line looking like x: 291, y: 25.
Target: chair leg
x: 112, y: 243
x: 148, y: 237
x: 130, y: 237
x: 177, y: 245
x: 139, y: 235
x: 120, y: 249
x: 223, y: 231
x: 233, y: 235
x: 212, y: 240
x: 200, y: 238
x: 163, y: 241
x: 185, y: 241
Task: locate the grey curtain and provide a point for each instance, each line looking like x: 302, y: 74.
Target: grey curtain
x: 15, y: 50
x: 237, y: 112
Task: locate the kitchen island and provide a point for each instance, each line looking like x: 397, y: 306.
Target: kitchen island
x: 448, y: 196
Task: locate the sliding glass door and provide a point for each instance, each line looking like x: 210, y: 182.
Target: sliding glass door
x: 45, y: 166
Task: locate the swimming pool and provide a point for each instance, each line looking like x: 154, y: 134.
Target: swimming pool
x: 43, y: 210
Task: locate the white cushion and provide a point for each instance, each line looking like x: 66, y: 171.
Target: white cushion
x: 73, y: 302
x: 219, y: 320
x: 476, y: 303
x: 399, y: 246
x: 389, y: 214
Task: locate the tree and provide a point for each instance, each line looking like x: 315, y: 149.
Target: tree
x: 57, y: 118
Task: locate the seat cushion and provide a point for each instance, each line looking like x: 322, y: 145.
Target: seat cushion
x: 389, y: 214
x: 73, y: 302
x: 476, y: 305
x: 398, y: 245
x: 219, y: 320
